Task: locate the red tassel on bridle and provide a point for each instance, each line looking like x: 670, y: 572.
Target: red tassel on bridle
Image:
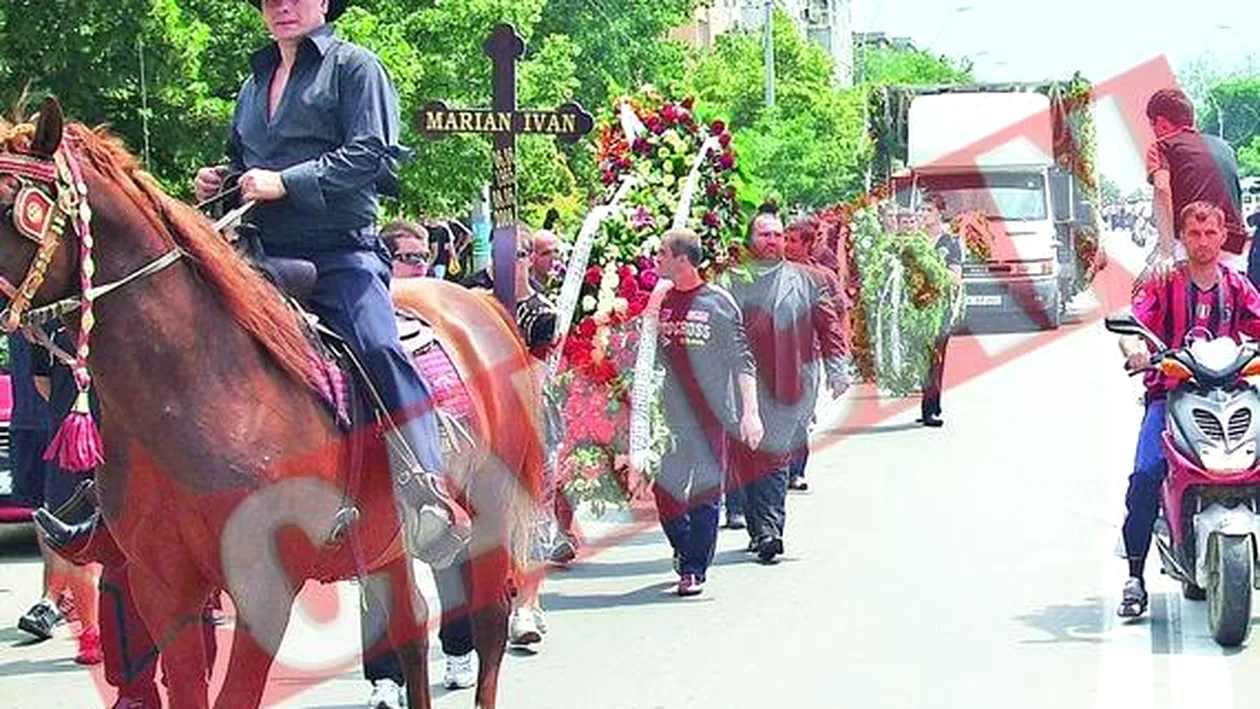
x: 77, y: 447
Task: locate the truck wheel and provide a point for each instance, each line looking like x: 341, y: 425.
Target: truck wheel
x: 1231, y: 575
x: 1054, y: 313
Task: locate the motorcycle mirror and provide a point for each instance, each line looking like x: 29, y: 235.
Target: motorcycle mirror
x: 1126, y: 324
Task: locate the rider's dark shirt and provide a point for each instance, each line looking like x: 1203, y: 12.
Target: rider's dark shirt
x: 333, y: 138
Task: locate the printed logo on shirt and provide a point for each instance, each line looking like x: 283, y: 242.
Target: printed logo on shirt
x: 693, y: 330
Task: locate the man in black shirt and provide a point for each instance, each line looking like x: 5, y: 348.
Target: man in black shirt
x: 315, y: 138
x: 948, y: 247
x: 706, y: 354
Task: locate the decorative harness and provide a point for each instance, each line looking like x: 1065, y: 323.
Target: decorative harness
x: 52, y: 193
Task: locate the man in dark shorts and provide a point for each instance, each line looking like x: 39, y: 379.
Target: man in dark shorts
x: 706, y: 356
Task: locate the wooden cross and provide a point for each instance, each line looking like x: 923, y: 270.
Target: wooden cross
x: 504, y: 122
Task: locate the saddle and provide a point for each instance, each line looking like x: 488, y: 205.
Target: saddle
x: 345, y: 385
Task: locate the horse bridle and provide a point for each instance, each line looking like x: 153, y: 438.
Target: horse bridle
x: 52, y: 193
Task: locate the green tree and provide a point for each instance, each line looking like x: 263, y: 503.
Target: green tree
x: 1232, y: 110
x: 890, y: 65
x: 195, y: 57
x: 1249, y: 158
x: 811, y: 149
x: 621, y: 45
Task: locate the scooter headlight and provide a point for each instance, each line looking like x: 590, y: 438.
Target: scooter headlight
x: 1218, y: 460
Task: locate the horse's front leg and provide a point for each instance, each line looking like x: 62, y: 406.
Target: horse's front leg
x: 406, y: 625
x: 173, y: 612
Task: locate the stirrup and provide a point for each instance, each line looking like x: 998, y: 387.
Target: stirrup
x: 432, y: 537
x: 343, y: 520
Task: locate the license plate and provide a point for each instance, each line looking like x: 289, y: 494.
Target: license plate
x: 6, y: 482
x: 984, y: 300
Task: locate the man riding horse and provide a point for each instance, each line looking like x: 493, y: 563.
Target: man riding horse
x: 314, y: 140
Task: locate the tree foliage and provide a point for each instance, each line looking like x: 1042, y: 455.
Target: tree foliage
x: 810, y: 149
x: 1249, y: 158
x: 890, y: 65
x: 164, y: 74
x: 1232, y: 110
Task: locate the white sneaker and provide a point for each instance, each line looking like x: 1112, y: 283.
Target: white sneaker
x: 459, y: 672
x: 523, y: 628
x: 386, y: 694
x: 540, y: 620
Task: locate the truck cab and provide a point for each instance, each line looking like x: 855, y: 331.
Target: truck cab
x: 989, y: 154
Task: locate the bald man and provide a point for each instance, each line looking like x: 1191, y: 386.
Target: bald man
x: 543, y: 262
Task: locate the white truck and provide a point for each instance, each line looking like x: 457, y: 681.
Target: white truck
x: 991, y: 152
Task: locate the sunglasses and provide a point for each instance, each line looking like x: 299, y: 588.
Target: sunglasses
x: 522, y: 253
x: 412, y: 259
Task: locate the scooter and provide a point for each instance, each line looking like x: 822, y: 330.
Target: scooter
x: 1210, y: 501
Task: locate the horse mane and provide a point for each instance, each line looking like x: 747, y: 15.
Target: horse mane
x: 250, y: 300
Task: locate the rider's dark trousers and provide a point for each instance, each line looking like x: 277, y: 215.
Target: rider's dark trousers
x: 1149, y: 470
x: 352, y: 297
x: 687, y: 492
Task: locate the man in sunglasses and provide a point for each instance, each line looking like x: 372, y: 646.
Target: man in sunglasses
x: 408, y: 245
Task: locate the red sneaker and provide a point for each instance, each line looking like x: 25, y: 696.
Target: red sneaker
x: 690, y: 585
x: 89, y: 648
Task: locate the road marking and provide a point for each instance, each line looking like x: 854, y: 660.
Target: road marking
x: 1198, y: 673
x: 1126, y: 668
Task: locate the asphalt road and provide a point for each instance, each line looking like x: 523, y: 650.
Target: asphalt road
x: 972, y: 566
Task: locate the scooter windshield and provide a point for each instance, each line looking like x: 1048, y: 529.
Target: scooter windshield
x: 1218, y: 359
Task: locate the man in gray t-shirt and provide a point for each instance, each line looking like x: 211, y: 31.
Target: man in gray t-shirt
x: 706, y: 356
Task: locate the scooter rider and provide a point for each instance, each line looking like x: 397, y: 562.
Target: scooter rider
x: 1198, y: 294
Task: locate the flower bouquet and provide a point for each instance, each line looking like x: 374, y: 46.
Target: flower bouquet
x: 904, y: 304
x: 977, y: 237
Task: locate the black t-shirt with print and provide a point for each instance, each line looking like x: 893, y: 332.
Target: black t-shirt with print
x: 704, y: 348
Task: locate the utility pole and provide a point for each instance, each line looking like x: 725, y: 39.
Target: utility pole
x: 768, y: 27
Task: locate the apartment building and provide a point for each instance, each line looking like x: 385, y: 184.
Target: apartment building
x: 828, y: 23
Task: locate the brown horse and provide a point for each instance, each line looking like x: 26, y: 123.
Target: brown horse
x: 224, y: 469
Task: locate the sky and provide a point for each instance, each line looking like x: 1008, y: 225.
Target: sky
x: 1019, y: 40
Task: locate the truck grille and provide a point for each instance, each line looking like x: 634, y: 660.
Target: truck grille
x: 1209, y: 425
x: 4, y: 441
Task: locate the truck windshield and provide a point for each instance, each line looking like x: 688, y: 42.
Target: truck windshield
x: 1011, y: 196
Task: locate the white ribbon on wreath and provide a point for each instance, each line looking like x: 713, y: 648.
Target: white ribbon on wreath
x: 645, y: 379
x: 575, y: 271
x: 892, y: 292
